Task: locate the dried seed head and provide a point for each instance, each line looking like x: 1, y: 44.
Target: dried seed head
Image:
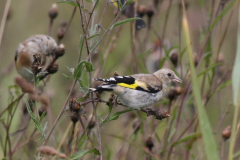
x: 178, y: 90
x: 53, y: 13
x: 61, y: 32
x: 150, y: 10
x: 174, y: 57
x: 195, y: 59
x: 64, y: 24
x: 149, y: 143
x: 26, y: 86
x: 37, y: 64
x: 160, y: 114
x: 141, y: 10
x: 91, y: 124
x: 42, y: 110
x: 74, y: 105
x: 74, y: 118
x: 50, y: 151
x: 60, y: 51
x: 226, y: 133
x: 116, y: 74
x: 53, y: 68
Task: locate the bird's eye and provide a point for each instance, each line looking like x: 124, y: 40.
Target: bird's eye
x: 169, y: 74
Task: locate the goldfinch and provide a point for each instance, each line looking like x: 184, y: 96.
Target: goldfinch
x: 38, y: 44
x: 129, y: 12
x: 139, y: 90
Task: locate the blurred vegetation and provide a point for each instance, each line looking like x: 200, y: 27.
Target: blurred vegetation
x: 195, y: 128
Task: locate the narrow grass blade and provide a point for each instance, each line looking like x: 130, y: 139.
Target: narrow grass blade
x: 206, y: 130
x: 236, y: 93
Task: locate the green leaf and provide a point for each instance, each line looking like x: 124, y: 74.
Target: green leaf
x: 210, y: 68
x: 66, y: 76
x: 1, y: 119
x: 141, y: 56
x: 219, y: 17
x: 83, y: 88
x: 115, y: 116
x: 69, y: 2
x: 223, y: 85
x: 236, y: 93
x: 236, y: 154
x: 42, y: 116
x: 79, y: 69
x: 124, y: 21
x: 119, y: 4
x: 84, y: 152
x: 187, y: 138
x: 92, y: 36
x: 129, y: 2
x: 209, y: 142
x: 90, y: 1
x: 84, y: 97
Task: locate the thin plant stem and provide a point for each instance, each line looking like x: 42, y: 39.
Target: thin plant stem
x: 4, y: 19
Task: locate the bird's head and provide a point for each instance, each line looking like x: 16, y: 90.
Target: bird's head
x: 167, y: 76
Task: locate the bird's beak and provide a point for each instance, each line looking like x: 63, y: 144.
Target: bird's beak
x: 177, y: 79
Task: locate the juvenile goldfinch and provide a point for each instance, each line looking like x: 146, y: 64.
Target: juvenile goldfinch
x: 38, y: 44
x: 139, y: 90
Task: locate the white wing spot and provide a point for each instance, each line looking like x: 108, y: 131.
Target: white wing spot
x: 119, y: 76
x: 112, y: 79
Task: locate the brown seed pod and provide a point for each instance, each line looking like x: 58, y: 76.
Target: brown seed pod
x: 150, y: 10
x: 91, y: 124
x: 74, y: 118
x: 115, y: 73
x: 53, y: 13
x: 160, y: 113
x: 60, y: 51
x: 74, y: 105
x: 53, y: 68
x: 141, y: 10
x: 61, y: 32
x: 37, y: 64
x: 149, y: 143
x: 226, y: 133
x: 174, y: 57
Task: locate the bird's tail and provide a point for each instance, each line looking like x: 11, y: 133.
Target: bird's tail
x: 104, y: 87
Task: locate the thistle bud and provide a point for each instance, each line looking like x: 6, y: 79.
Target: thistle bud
x: 61, y: 32
x: 74, y: 105
x: 226, y: 133
x: 174, y: 57
x: 53, y: 68
x: 53, y: 13
x: 74, y: 118
x: 36, y: 65
x: 141, y: 10
x: 149, y: 143
x: 60, y: 51
x: 149, y: 10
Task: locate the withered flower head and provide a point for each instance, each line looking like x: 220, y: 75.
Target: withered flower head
x: 37, y: 64
x: 160, y: 114
x: 24, y: 85
x: 141, y: 10
x: 115, y: 73
x: 53, y: 13
x: 149, y: 143
x: 74, y: 105
x: 150, y: 10
x: 60, y: 51
x: 226, y: 133
x: 74, y: 118
x: 53, y: 68
x: 61, y: 32
x: 174, y: 57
